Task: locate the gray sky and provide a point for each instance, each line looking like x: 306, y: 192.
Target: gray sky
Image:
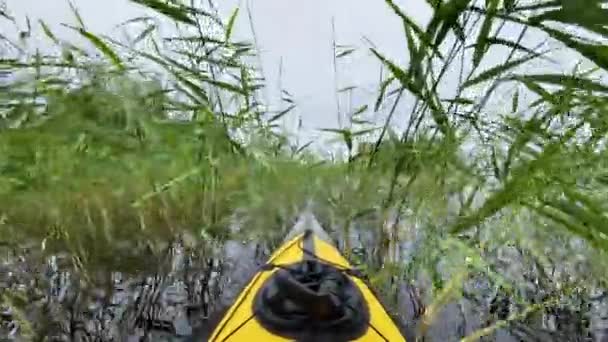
x: 299, y: 33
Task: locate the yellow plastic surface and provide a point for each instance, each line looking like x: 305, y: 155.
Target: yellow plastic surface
x: 379, y: 318
x: 239, y: 325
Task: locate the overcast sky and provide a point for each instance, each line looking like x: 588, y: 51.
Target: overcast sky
x: 298, y: 32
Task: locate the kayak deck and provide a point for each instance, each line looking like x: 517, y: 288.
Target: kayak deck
x: 246, y: 319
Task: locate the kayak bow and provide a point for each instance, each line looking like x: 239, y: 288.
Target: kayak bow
x: 307, y: 291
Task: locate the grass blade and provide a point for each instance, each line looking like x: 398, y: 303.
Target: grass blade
x: 482, y: 39
x: 175, y: 13
x: 145, y: 33
x: 415, y: 57
x: 135, y: 20
x: 5, y: 15
x: 47, y: 31
x: 360, y: 110
x: 446, y: 18
x: 449, y: 292
x: 460, y: 100
x: 345, y: 53
x: 597, y: 53
x: 400, y: 74
x: 101, y: 46
x: 226, y: 86
x: 536, y: 88
x: 347, y: 136
x: 515, y: 102
x: 382, y: 92
x: 303, y: 147
x: 497, y: 71
x: 573, y: 227
x: 420, y: 91
x: 281, y: 113
x: 563, y: 80
x: 509, y: 5
x: 409, y: 23
x: 511, y: 44
x: 230, y: 26
x: 76, y: 14
x: 586, y: 14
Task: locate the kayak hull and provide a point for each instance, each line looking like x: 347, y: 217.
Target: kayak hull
x: 239, y: 322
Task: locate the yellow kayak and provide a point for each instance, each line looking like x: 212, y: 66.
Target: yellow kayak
x: 307, y: 291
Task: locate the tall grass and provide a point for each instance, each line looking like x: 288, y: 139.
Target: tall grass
x: 105, y: 159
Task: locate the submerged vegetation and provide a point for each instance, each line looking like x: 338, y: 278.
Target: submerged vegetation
x: 494, y: 193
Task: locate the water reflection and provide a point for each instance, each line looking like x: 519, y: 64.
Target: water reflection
x: 185, y: 302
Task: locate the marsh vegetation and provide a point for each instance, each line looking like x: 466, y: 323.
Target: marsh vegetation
x: 128, y: 167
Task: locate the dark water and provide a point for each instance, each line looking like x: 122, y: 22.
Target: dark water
x: 185, y: 302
